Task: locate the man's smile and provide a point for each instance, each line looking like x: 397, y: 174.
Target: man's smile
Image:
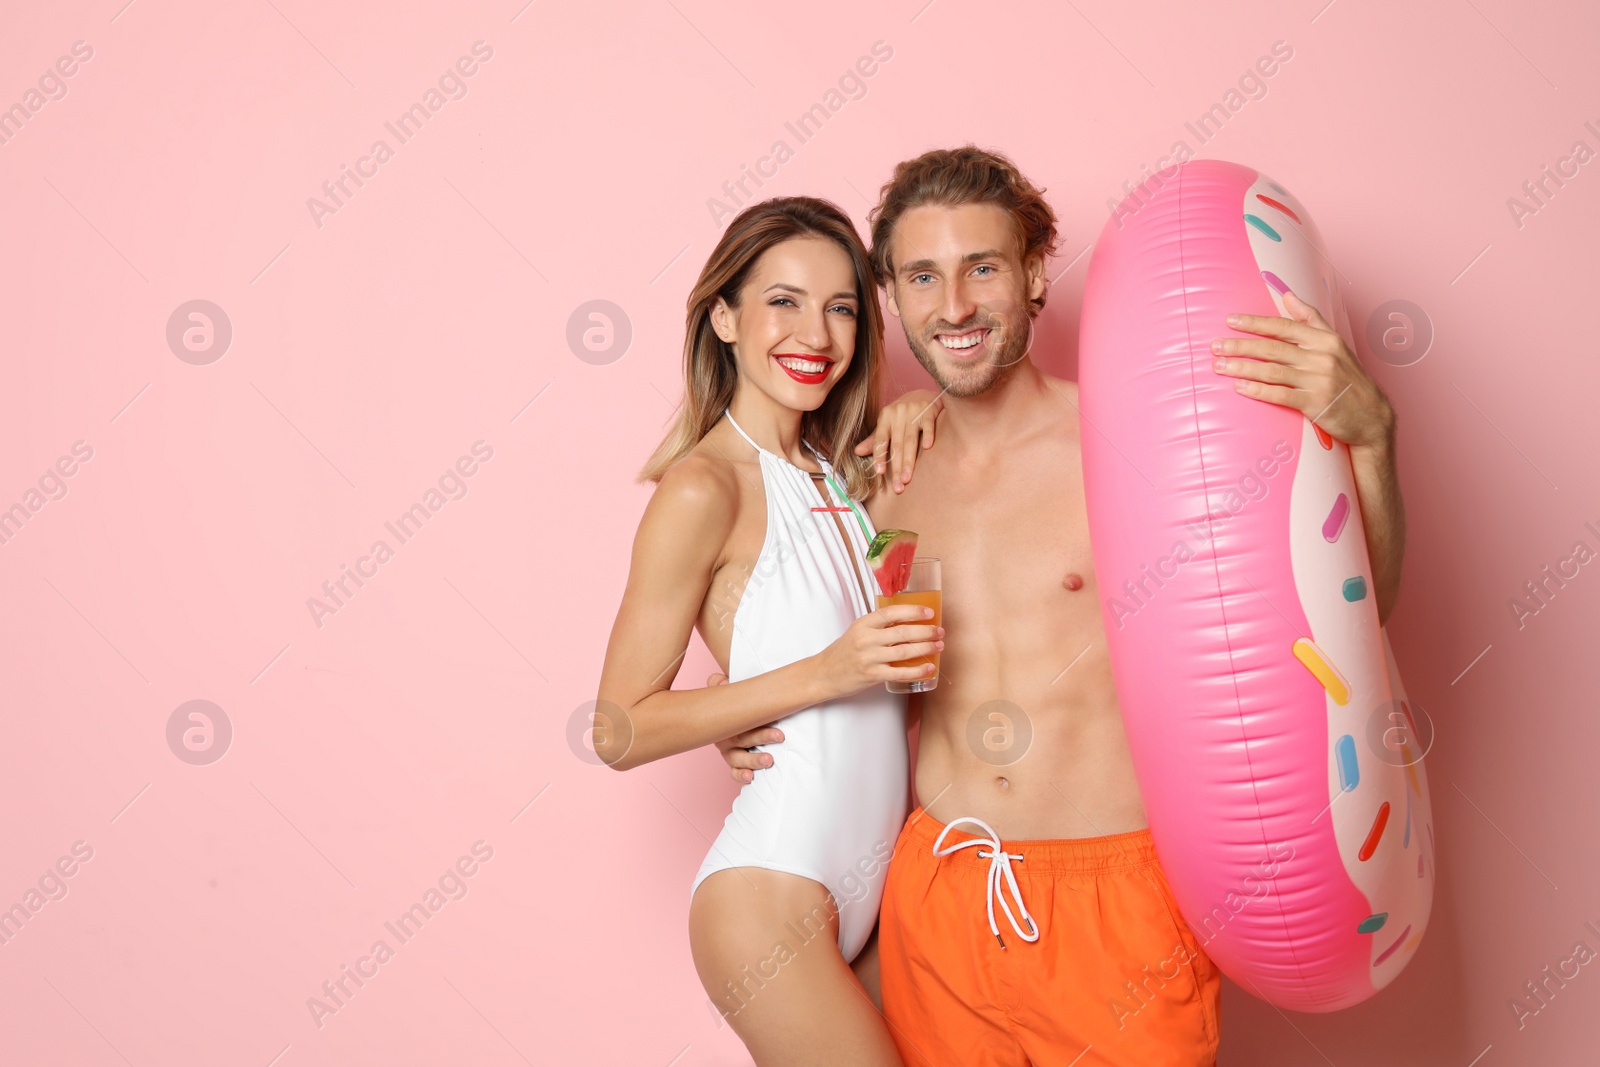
x: 965, y: 343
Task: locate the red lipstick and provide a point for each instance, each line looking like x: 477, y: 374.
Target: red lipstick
x: 801, y: 376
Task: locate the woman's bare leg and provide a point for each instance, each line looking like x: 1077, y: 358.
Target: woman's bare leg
x: 766, y: 946
x: 866, y: 967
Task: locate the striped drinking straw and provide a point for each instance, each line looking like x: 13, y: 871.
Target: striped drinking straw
x: 854, y: 510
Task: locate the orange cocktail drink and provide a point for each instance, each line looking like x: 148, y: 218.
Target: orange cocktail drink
x: 922, y: 589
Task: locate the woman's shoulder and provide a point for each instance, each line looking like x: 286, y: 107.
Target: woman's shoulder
x: 703, y: 481
x: 700, y: 476
x: 690, y: 515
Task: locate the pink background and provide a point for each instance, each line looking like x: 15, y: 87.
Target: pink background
x: 369, y: 754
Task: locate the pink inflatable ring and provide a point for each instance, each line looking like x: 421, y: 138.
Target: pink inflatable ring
x: 1276, y: 752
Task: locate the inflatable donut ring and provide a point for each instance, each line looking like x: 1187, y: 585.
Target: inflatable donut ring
x: 1276, y: 752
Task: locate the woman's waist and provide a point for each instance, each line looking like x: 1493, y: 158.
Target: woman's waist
x: 840, y: 737
x: 875, y: 701
x: 775, y: 631
x: 853, y: 777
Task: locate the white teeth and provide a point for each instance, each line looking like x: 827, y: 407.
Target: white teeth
x: 804, y: 366
x: 963, y: 341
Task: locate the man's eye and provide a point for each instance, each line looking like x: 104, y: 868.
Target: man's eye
x: 984, y: 266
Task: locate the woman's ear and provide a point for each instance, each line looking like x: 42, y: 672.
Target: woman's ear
x: 722, y: 320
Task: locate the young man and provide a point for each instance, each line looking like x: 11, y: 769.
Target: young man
x: 1052, y: 938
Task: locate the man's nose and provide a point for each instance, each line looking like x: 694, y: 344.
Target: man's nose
x: 958, y: 304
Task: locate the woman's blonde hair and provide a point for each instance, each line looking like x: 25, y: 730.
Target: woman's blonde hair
x: 711, y: 373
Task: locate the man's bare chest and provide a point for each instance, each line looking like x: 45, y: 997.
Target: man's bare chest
x: 1017, y: 538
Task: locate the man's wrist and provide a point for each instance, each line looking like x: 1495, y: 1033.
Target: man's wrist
x: 1380, y: 449
x: 1377, y: 456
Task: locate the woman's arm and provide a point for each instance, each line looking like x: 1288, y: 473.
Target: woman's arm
x: 639, y: 717
x: 680, y: 541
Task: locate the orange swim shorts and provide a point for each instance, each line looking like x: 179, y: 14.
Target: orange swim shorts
x: 1113, y: 974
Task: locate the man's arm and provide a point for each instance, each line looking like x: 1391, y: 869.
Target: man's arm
x: 1383, y: 514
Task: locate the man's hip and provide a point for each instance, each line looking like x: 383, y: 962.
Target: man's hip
x: 1065, y: 952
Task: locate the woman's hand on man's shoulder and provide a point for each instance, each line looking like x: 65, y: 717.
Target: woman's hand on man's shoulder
x: 905, y: 427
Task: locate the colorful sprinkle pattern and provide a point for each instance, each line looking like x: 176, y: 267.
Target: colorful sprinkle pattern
x: 1255, y: 220
x: 1306, y: 651
x: 1333, y: 525
x: 1361, y: 824
x: 1349, y: 769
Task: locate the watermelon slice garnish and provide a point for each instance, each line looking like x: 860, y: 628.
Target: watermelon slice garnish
x: 890, y: 556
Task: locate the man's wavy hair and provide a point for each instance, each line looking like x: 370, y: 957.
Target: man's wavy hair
x: 955, y: 176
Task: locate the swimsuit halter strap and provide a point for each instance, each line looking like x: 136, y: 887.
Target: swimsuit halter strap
x: 728, y: 413
x: 826, y: 466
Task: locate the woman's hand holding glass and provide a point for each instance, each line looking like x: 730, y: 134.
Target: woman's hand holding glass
x: 864, y: 654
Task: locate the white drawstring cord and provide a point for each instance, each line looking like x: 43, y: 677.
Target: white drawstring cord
x: 999, y: 863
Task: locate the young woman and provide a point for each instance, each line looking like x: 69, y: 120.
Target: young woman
x: 755, y: 537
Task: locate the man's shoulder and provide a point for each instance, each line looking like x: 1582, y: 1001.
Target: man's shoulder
x: 1064, y: 427
x: 1064, y: 386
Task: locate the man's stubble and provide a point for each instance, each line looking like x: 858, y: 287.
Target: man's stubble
x: 1014, y: 348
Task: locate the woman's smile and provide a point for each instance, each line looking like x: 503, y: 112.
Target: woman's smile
x: 807, y: 370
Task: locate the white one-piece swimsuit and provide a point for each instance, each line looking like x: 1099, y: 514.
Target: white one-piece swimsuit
x: 832, y: 804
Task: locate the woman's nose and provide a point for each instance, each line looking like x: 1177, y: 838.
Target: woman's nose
x: 813, y: 333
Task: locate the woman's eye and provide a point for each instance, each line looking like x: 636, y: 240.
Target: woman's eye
x: 846, y: 308
x: 783, y: 300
